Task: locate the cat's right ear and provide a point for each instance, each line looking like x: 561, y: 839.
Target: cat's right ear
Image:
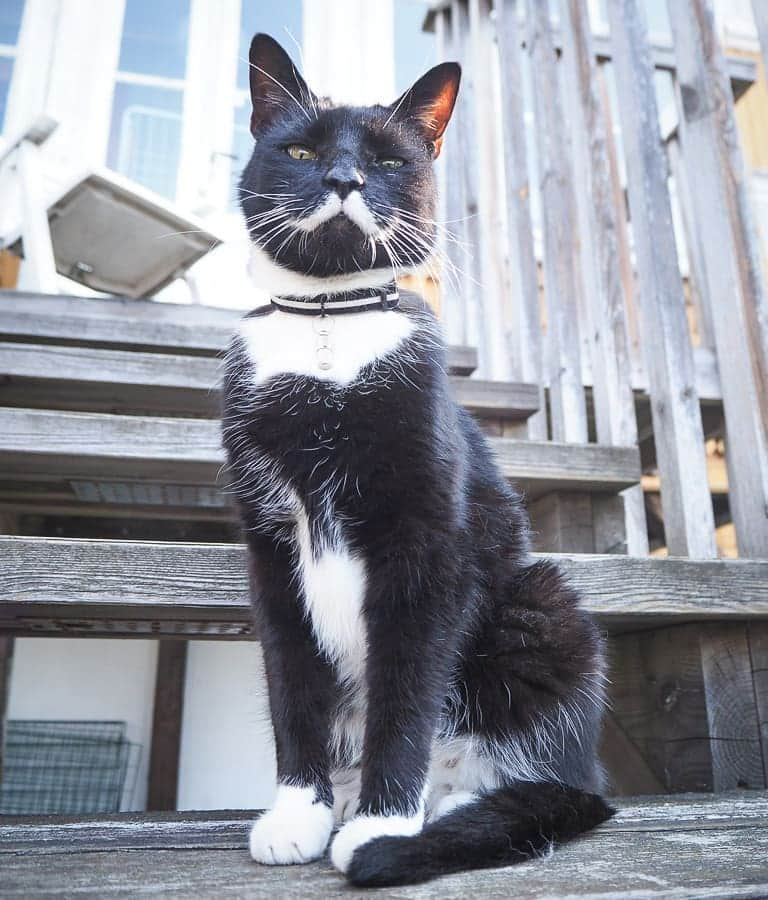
x: 276, y: 85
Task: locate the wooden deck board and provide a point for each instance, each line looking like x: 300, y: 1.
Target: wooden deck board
x: 688, y: 846
x: 99, y: 379
x: 139, y: 588
x: 143, y: 325
x: 49, y: 444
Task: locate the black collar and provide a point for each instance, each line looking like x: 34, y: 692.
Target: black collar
x: 362, y: 300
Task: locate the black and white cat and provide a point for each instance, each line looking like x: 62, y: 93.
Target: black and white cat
x: 434, y: 690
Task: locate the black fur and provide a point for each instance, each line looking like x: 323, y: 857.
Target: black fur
x: 511, y: 825
x: 466, y: 634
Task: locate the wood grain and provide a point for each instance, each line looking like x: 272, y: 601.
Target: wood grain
x: 523, y: 267
x: 600, y: 245
x: 70, y: 586
x: 678, y: 434
x: 562, y: 290
x: 120, y: 323
x: 690, y: 848
x: 738, y: 308
x: 167, y: 714
x: 98, y: 379
x: 93, y: 446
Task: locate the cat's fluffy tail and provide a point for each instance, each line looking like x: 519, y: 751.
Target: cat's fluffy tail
x: 506, y: 826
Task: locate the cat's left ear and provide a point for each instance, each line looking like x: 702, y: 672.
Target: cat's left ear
x: 276, y: 85
x: 429, y: 103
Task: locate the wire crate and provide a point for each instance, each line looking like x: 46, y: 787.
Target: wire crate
x: 67, y: 767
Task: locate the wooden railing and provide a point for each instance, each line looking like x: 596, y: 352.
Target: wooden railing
x: 642, y: 225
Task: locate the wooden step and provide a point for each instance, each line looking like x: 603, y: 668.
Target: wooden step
x: 116, y: 323
x: 60, y: 448
x: 686, y: 846
x: 124, y: 588
x: 97, y: 379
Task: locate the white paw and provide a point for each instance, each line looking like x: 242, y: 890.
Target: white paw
x: 362, y: 829
x: 451, y: 801
x: 346, y: 793
x: 295, y: 830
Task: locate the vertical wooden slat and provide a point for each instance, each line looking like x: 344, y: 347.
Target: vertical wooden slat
x: 453, y: 287
x: 625, y: 255
x: 6, y: 660
x: 487, y: 139
x: 696, y: 254
x: 601, y: 263
x: 757, y: 636
x: 688, y: 517
x: 712, y: 158
x: 462, y: 125
x: 477, y: 301
x: 166, y: 725
x: 569, y: 418
x: 523, y: 265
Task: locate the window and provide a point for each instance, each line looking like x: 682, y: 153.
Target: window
x: 145, y: 133
x: 10, y: 24
x: 283, y: 21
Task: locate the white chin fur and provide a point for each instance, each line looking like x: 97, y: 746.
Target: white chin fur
x: 277, y: 280
x: 356, y: 210
x: 295, y: 830
x: 362, y: 829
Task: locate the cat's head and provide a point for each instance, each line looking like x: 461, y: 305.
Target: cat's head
x: 340, y: 192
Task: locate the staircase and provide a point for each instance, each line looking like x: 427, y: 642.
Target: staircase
x: 107, y: 427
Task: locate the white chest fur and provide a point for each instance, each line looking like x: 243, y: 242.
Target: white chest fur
x: 333, y: 583
x: 286, y: 343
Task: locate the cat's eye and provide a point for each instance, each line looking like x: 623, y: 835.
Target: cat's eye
x: 391, y: 162
x: 299, y: 151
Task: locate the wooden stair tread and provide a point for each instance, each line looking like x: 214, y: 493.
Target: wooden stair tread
x: 98, y: 379
x: 138, y: 324
x: 79, y: 586
x: 686, y: 846
x: 51, y: 444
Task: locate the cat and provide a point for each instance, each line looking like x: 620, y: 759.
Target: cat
x: 434, y: 690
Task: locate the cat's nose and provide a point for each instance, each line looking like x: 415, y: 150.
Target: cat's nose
x: 344, y: 179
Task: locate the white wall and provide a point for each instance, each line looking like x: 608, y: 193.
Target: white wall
x: 89, y: 679
x: 227, y: 751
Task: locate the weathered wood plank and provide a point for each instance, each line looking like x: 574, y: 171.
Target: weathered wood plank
x: 741, y: 69
x: 523, y: 268
x: 166, y: 725
x: 719, y: 192
x: 6, y: 663
x: 138, y: 325
x: 224, y: 829
x: 485, y: 141
x: 757, y: 635
x: 561, y: 287
x: 684, y: 696
x: 454, y: 280
x: 62, y: 586
x: 627, y: 770
x: 187, y: 451
x: 561, y: 522
x: 678, y: 434
x: 734, y: 728
x: 99, y: 379
x: 599, y: 240
x: 713, y: 850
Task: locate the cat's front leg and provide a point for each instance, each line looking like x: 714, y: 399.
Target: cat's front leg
x: 406, y: 669
x: 301, y: 691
